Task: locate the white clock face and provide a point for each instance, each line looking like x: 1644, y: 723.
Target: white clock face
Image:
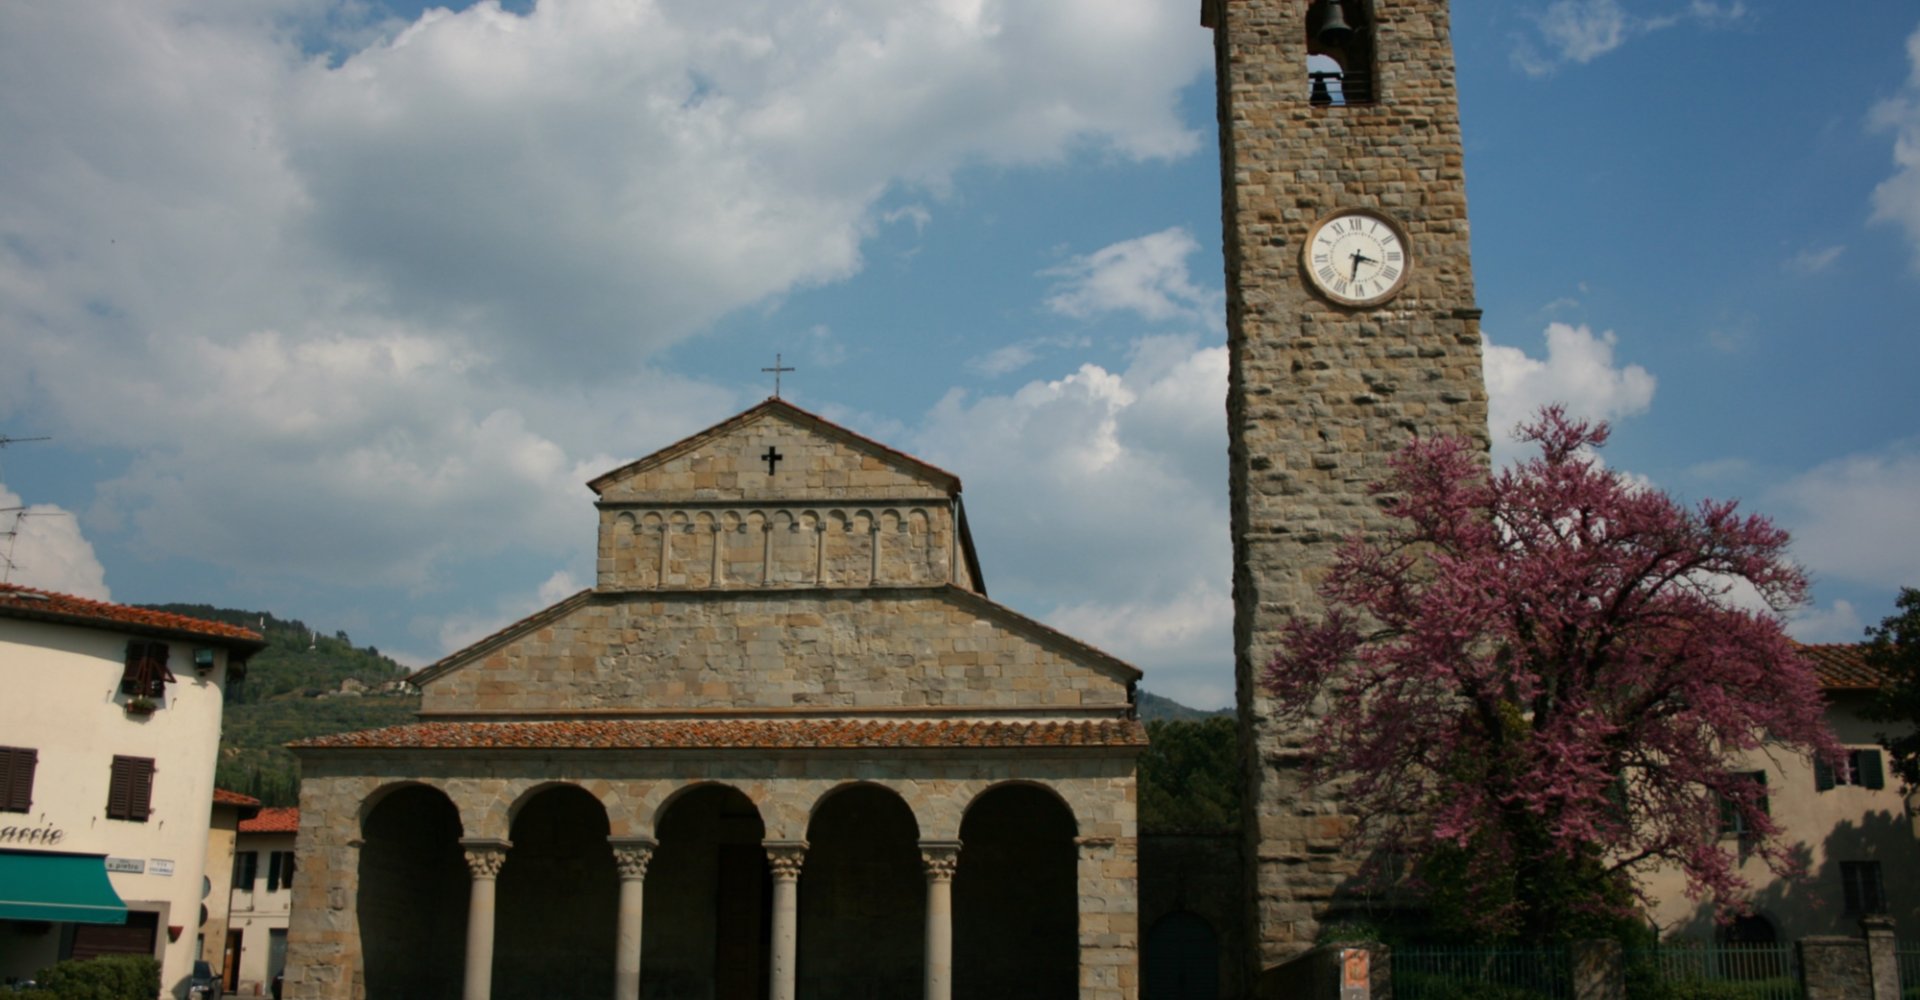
x: 1357, y: 258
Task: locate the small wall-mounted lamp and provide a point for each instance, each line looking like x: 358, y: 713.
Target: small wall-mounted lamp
x: 203, y: 660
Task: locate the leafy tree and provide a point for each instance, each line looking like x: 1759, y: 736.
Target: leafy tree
x: 1190, y: 777
x: 1537, y: 682
x: 1894, y: 647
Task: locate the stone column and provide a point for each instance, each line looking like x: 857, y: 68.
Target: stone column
x: 1883, y: 963
x: 630, y: 857
x: 785, y: 857
x: 484, y: 858
x: 940, y: 857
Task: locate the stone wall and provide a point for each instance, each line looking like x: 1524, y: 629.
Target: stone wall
x: 792, y: 650
x: 873, y: 544
x: 1320, y: 395
x: 339, y: 790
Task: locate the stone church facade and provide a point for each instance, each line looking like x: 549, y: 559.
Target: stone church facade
x: 784, y: 746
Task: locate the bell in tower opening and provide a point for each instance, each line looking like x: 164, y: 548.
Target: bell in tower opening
x: 1340, y: 52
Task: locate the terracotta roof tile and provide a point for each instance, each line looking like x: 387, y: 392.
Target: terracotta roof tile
x: 810, y: 734
x: 1844, y: 667
x: 222, y: 797
x: 46, y: 605
x: 273, y: 819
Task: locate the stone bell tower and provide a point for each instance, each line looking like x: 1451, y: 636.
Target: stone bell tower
x: 1352, y: 327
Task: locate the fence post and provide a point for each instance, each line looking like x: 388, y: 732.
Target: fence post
x: 1882, y: 959
x: 1599, y: 970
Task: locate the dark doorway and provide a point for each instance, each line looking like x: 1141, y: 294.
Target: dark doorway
x: 559, y: 900
x: 1182, y: 959
x: 135, y: 937
x: 413, y: 897
x: 1016, y: 912
x: 863, y: 899
x: 709, y: 901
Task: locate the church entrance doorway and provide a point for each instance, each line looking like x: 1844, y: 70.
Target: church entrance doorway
x: 863, y: 898
x: 1016, y: 906
x: 709, y: 900
x: 414, y: 886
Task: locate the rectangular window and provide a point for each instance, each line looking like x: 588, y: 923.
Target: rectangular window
x: 1860, y: 882
x: 1733, y: 823
x: 146, y: 674
x: 246, y: 866
x: 130, y: 789
x: 16, y: 778
x: 1863, y: 767
x: 279, y: 871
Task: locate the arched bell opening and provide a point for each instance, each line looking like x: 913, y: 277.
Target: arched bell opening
x: 709, y: 903
x: 558, y: 900
x: 412, y: 906
x: 1016, y: 903
x: 863, y: 898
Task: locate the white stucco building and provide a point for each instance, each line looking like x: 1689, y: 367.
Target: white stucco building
x: 109, y: 731
x: 261, y: 898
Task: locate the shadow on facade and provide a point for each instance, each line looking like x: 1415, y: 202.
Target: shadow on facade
x: 413, y: 897
x: 1015, y: 902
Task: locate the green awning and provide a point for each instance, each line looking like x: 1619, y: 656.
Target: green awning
x: 70, y: 888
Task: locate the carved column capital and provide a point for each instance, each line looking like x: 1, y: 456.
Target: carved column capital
x: 485, y: 855
x: 939, y: 858
x: 631, y: 855
x: 786, y: 857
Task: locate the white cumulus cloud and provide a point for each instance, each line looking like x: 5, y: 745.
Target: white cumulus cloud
x: 1580, y: 31
x: 1146, y: 276
x: 41, y: 546
x: 1897, y: 199
x: 1076, y: 485
x: 1855, y: 519
x: 1578, y: 372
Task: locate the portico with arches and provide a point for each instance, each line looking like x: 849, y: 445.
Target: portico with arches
x: 785, y: 748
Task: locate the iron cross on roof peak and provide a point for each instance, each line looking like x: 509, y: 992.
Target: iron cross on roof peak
x: 776, y: 370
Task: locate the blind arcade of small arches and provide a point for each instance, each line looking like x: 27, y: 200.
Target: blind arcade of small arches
x: 867, y: 905
x: 827, y: 547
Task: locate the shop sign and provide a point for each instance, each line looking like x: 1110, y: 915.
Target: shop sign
x: 45, y: 836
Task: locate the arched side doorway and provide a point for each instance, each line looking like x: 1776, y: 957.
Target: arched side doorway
x: 709, y: 900
x: 863, y: 898
x: 1016, y: 909
x: 412, y: 906
x: 1182, y: 959
x: 558, y: 900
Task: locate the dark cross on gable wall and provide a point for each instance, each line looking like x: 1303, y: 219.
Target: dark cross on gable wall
x: 776, y: 370
x: 772, y: 458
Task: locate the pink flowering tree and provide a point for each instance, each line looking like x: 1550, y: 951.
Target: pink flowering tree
x: 1539, y: 682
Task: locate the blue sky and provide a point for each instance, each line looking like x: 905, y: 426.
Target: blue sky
x: 331, y: 307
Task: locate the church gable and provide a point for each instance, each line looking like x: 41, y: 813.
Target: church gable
x: 940, y: 652
x: 774, y: 451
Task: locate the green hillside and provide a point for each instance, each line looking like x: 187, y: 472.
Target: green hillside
x: 293, y: 690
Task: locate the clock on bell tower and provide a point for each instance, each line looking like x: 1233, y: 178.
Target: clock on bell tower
x: 1351, y: 327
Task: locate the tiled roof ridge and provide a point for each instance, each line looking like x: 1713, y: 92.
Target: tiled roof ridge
x: 770, y: 404
x: 1843, y: 666
x: 825, y: 734
x: 34, y: 602
x: 227, y: 797
x: 273, y: 819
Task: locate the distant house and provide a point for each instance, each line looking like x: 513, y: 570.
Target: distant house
x: 229, y: 809
x: 260, y: 900
x: 1858, y: 828
x: 109, y: 731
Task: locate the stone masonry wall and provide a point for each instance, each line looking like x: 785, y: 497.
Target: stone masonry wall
x: 1321, y: 395
x: 799, y: 649
x: 338, y: 791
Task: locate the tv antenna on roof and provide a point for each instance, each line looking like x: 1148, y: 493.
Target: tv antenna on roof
x: 12, y: 535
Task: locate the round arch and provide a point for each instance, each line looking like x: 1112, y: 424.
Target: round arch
x: 863, y: 896
x: 1016, y: 902
x: 558, y: 897
x: 709, y: 896
x: 412, y: 905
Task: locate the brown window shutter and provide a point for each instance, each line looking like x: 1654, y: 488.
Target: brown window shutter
x: 16, y: 778
x: 118, y: 789
x: 130, y: 790
x: 141, y: 796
